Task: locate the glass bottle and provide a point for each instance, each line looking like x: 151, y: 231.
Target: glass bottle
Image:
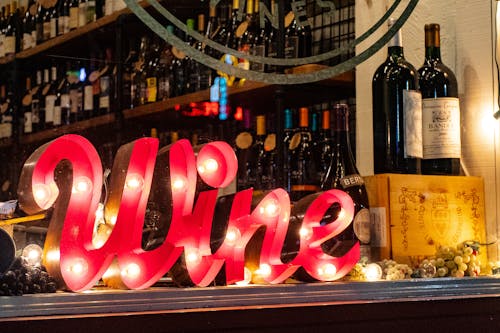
x: 106, y: 83
x: 256, y: 167
x: 303, y: 165
x: 35, y: 102
x: 29, y: 26
x: 243, y: 141
x: 397, y: 113
x: 440, y: 110
x: 26, y: 104
x: 11, y: 30
x: 288, y: 132
x: 343, y: 174
x: 64, y: 17
x: 151, y: 72
x: 50, y: 98
x: 165, y: 75
x: 88, y: 89
x: 64, y: 95
x: 74, y: 14
x: 324, y: 145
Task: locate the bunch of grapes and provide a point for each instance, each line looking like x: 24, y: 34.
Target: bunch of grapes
x: 22, y: 278
x: 457, y: 262
x: 391, y: 270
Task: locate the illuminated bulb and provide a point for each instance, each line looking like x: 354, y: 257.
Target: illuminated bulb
x: 264, y: 270
x: 270, y: 208
x: 33, y: 254
x: 193, y: 257
x: 305, y: 233
x: 178, y: 184
x: 134, y: 182
x: 373, y: 272
x: 99, y: 213
x: 341, y: 214
x: 79, y: 267
x: 246, y: 279
x: 327, y: 271
x: 112, y: 220
x: 82, y: 185
x: 233, y: 235
x: 209, y: 165
x: 131, y: 271
x: 45, y: 195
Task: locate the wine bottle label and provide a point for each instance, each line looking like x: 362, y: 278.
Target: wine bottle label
x: 151, y: 89
x: 50, y: 101
x: 2, y: 48
x: 412, y: 109
x: 441, y: 127
x: 175, y: 51
x: 35, y: 111
x: 351, y: 180
x: 257, y: 50
x: 94, y: 76
x: 65, y: 101
x: 57, y: 115
x: 7, y: 130
x: 26, y: 100
x: 296, y: 139
x: 46, y: 30
x: 108, y: 7
x: 292, y: 47
x: 74, y: 100
x: 73, y: 17
x: 379, y: 236
x: 270, y: 142
x: 104, y: 102
x: 45, y: 89
x: 4, y: 107
x: 88, y: 98
x: 27, y: 41
x: 82, y: 14
x: 33, y: 38
x: 53, y: 27
x: 9, y: 44
x: 28, y: 125
x: 244, y: 140
x: 362, y: 225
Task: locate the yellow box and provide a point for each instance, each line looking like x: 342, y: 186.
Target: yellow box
x: 413, y: 214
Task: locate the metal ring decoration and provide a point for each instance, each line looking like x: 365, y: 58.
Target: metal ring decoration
x: 271, y: 78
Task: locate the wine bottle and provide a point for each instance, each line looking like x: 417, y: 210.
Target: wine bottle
x: 256, y: 164
x: 440, y: 110
x: 29, y: 26
x: 76, y: 92
x: 258, y: 47
x: 106, y: 83
x: 74, y: 14
x: 303, y: 165
x: 64, y: 93
x: 243, y: 141
x: 53, y: 21
x: 165, y: 75
x: 35, y: 102
x: 46, y: 25
x: 288, y: 132
x: 88, y: 90
x: 82, y: 13
x: 397, y: 113
x: 151, y: 72
x: 40, y: 17
x: 128, y: 73
x: 64, y: 17
x: 231, y: 32
x: 324, y: 145
x: 8, y: 111
x: 4, y: 105
x: 343, y: 174
x: 2, y: 34
x: 179, y: 65
x: 11, y: 30
x: 26, y: 104
x: 50, y: 98
x: 138, y: 79
x: 45, y: 90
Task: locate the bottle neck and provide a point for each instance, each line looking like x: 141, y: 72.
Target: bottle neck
x: 433, y: 53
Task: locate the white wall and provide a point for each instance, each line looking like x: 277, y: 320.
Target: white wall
x: 467, y: 48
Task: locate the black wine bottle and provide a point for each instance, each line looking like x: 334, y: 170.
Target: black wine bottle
x: 343, y: 174
x: 440, y: 110
x: 397, y: 113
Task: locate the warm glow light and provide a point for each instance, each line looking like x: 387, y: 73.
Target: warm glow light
x: 54, y: 255
x: 373, y: 272
x: 78, y: 267
x: 178, y: 184
x: 131, y: 271
x: 327, y: 271
x: 112, y: 220
x: 45, y: 195
x: 99, y: 213
x: 33, y: 254
x: 233, y: 235
x: 305, y: 233
x: 134, y: 182
x: 247, y: 278
x: 264, y: 270
x: 270, y: 208
x: 209, y: 165
x: 193, y: 257
x: 341, y: 214
x: 82, y: 185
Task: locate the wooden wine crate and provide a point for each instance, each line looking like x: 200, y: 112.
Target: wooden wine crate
x: 413, y: 214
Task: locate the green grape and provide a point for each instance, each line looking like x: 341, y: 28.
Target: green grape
x: 458, y: 260
x: 439, y: 262
x: 468, y: 251
x: 462, y: 267
x: 450, y: 264
x: 466, y: 258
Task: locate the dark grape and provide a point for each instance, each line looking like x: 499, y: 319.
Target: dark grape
x: 37, y: 289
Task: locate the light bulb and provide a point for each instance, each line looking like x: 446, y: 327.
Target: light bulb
x: 305, y: 233
x: 134, y: 182
x: 78, y: 266
x: 233, y: 235
x: 178, y: 184
x: 264, y: 270
x: 193, y: 257
x: 45, y: 195
x: 33, y: 254
x: 131, y: 271
x: 327, y: 271
x: 373, y: 272
x: 82, y: 185
x: 270, y: 208
x: 53, y: 255
x: 209, y: 165
x: 99, y: 213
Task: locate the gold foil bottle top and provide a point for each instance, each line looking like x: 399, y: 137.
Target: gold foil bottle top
x: 261, y: 125
x: 303, y: 117
x: 325, y: 121
x: 201, y: 23
x: 432, y: 35
x: 236, y: 4
x: 212, y: 12
x: 249, y: 6
x: 154, y: 133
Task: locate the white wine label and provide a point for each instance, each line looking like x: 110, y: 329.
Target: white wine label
x: 57, y: 116
x: 28, y: 125
x: 270, y: 142
x: 50, y: 102
x: 9, y: 44
x: 53, y: 27
x: 412, y: 110
x: 441, y: 127
x: 65, y: 101
x: 244, y: 140
x: 73, y: 17
x: 362, y: 226
x: 88, y: 98
x: 351, y: 180
x: 27, y: 41
x: 379, y: 237
x: 104, y: 102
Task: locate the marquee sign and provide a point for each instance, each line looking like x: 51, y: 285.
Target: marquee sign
x: 65, y: 176
x: 404, y: 7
